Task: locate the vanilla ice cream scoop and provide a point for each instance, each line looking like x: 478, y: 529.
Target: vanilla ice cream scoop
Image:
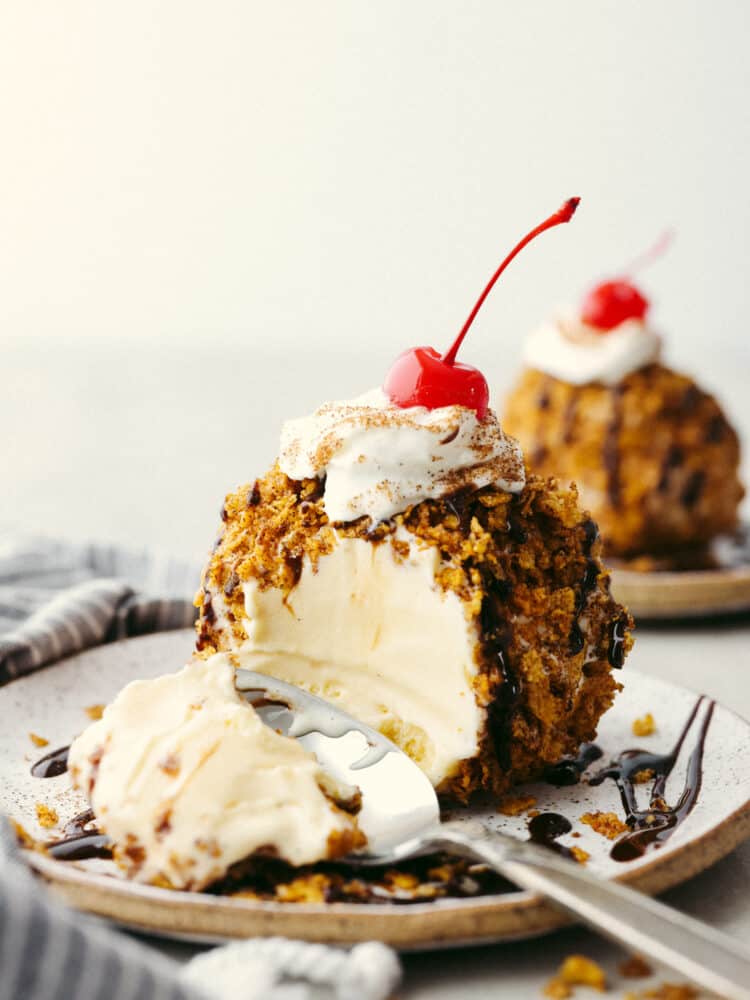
x: 186, y: 780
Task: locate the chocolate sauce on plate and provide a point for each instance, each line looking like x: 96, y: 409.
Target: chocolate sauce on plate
x: 545, y: 828
x: 81, y: 847
x: 52, y: 764
x: 568, y: 770
x: 80, y: 843
x: 658, y: 822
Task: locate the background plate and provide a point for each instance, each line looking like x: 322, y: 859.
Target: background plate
x: 52, y: 702
x: 687, y: 594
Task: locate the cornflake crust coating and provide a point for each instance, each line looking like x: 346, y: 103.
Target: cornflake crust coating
x: 526, y: 568
x: 654, y: 457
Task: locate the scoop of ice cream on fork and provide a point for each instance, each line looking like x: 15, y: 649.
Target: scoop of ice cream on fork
x: 400, y: 817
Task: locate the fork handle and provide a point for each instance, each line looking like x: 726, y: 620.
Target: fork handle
x: 706, y: 956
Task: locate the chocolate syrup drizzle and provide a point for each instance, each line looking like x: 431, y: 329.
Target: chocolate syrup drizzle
x: 544, y: 396
x: 494, y: 624
x: 673, y: 458
x: 568, y: 770
x: 658, y: 822
x: 52, y: 764
x: 569, y: 419
x: 610, y: 450
x: 80, y: 843
x: 617, y: 635
x: 545, y: 828
x: 588, y: 584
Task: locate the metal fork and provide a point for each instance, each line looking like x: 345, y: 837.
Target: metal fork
x: 401, y: 818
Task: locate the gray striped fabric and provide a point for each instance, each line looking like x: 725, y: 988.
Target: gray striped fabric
x: 57, y: 599
x: 46, y: 953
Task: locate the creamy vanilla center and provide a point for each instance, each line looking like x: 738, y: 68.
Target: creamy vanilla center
x: 373, y: 632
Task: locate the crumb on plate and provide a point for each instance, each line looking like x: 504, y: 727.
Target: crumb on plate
x: 644, y: 726
x: 513, y: 805
x: 46, y: 816
x: 608, y: 824
x: 38, y: 741
x: 666, y: 991
x: 576, y: 970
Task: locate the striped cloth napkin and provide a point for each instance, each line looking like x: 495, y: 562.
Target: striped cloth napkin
x: 57, y: 599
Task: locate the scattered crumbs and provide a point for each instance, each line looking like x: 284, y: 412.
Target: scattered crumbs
x: 533, y: 813
x: 666, y: 991
x: 576, y: 970
x: 556, y: 989
x: 641, y: 777
x: 575, y: 833
x: 46, y: 815
x: 22, y: 835
x: 94, y: 712
x: 38, y: 741
x: 512, y: 806
x: 609, y: 825
x: 645, y: 726
x: 635, y: 967
x: 170, y: 764
x: 580, y: 855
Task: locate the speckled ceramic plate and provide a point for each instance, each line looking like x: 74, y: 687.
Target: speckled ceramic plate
x: 52, y: 704
x: 693, y: 593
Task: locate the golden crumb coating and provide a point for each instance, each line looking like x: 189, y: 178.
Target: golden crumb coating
x: 654, y: 457
x: 527, y: 568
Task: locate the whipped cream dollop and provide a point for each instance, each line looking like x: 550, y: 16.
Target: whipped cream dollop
x: 571, y: 351
x: 378, y: 459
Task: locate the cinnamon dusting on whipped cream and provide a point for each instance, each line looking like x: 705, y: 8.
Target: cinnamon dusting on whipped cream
x: 377, y: 459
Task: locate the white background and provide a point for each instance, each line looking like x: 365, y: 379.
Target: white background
x: 213, y: 216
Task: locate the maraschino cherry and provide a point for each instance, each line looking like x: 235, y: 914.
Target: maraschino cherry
x: 612, y: 302
x: 422, y: 376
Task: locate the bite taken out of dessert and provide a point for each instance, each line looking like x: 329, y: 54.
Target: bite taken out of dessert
x: 398, y: 561
x: 654, y: 456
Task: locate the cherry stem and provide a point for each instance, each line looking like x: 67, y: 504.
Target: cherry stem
x: 653, y: 253
x: 563, y: 214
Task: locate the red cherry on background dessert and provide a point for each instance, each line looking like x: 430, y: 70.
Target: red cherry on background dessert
x: 611, y: 303
x: 423, y: 377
